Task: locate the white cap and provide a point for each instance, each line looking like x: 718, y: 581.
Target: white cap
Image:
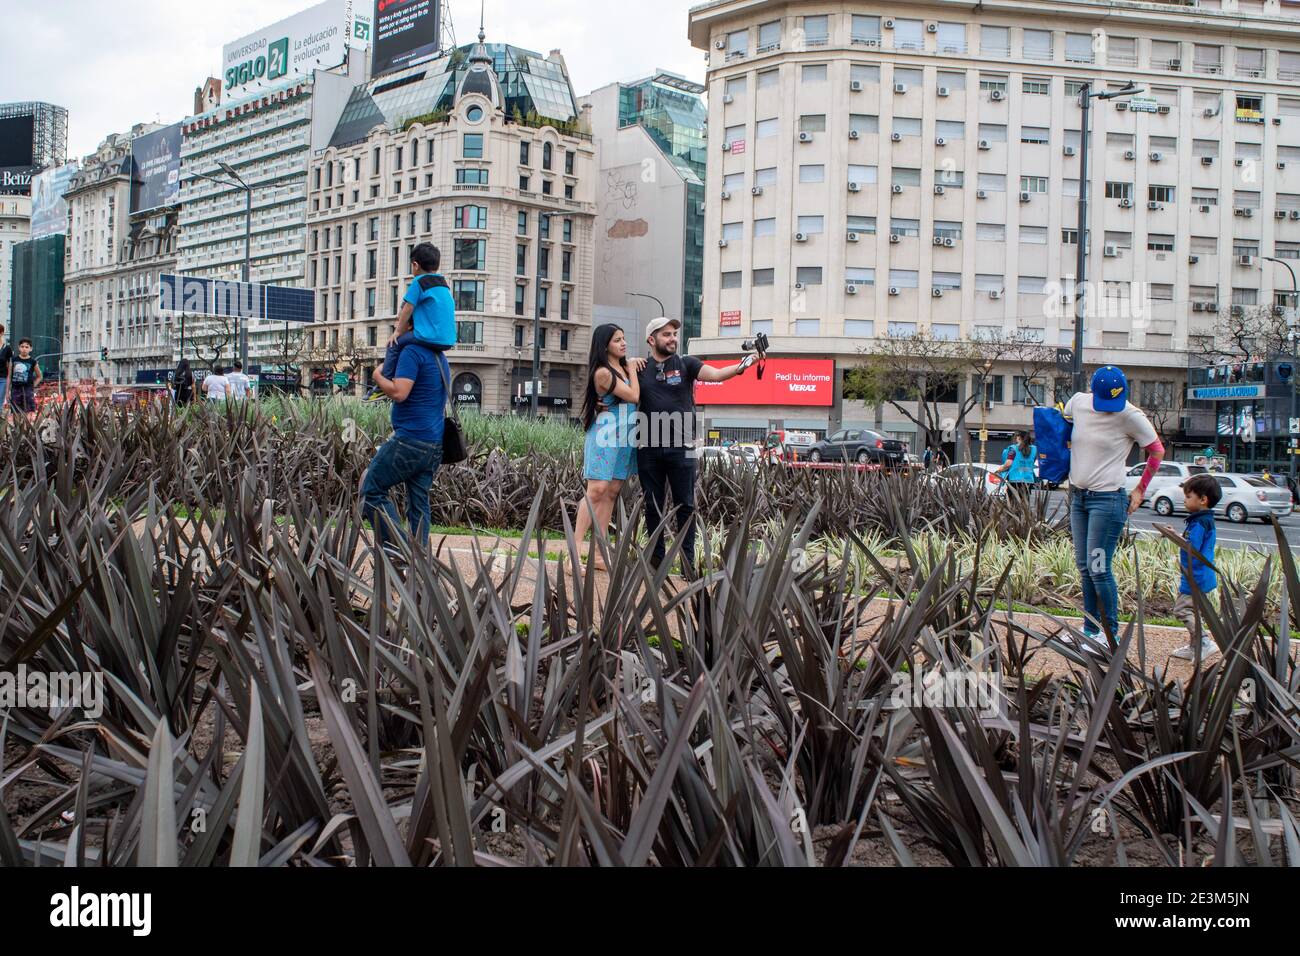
x: 656, y: 324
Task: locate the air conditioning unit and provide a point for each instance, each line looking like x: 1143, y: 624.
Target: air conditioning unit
x: 1154, y: 205
x: 1280, y: 214
x: 805, y: 137
x: 1198, y: 306
x: 726, y: 147
x: 1121, y: 106
x: 1207, y: 160
x: 798, y: 287
x: 895, y: 238
x: 854, y: 134
x: 801, y: 237
x: 722, y: 243
x: 1192, y: 260
x: 981, y: 194
x: 1294, y: 214
x: 900, y: 87
x: 1245, y: 261
x: 932, y: 28
x: 727, y: 98
x: 850, y: 290
x: 756, y: 191
x: 997, y: 96
x: 1247, y: 213
x: 897, y: 189
x: 1164, y: 110
x: 1204, y: 208
x: 719, y: 44
x: 889, y: 23
x: 938, y: 240
x: 1239, y: 162
x: 949, y: 241
x: 1175, y: 64
x: 1068, y: 151
x: 940, y: 141
x: 1277, y: 121
x: 854, y: 187
x: 1211, y: 307
x: 1025, y: 197
x: 893, y: 290
x: 1238, y: 310
x: 1111, y: 251
x: 995, y: 293
x: 1156, y: 157
x: 725, y: 195
x: 938, y: 190
x: 1126, y: 204
x: 985, y: 144
x: 855, y: 86
x: 895, y: 137
x: 943, y: 91
x: 937, y: 292
x: 1210, y: 112
x: 853, y: 237
x: 1281, y: 165
x: 1129, y: 154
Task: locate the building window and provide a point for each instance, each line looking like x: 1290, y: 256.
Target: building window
x: 523, y: 184
x: 566, y: 266
x: 523, y: 152
x: 1119, y: 190
x: 1036, y: 86
x: 521, y: 259
x: 469, y: 333
x: 1035, y: 135
x: 471, y: 254
x: 568, y: 230
x: 372, y: 263
x: 546, y: 187
x: 468, y: 217
x: 468, y: 294
x: 731, y: 280
x: 520, y: 292
x: 1164, y: 194
x: 473, y: 146
x: 1033, y: 184
x: 568, y: 162
x: 370, y: 303
x: 478, y: 177
x: 565, y: 295
x: 546, y: 156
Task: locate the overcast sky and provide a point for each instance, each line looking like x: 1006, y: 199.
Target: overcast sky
x: 115, y: 64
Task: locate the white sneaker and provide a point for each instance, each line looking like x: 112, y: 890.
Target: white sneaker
x: 1208, y: 648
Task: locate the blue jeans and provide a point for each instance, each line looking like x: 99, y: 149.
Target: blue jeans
x: 394, y: 351
x: 1097, y: 520
x: 4, y: 386
x: 401, y: 461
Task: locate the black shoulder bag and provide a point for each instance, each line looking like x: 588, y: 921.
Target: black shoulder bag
x: 453, y: 438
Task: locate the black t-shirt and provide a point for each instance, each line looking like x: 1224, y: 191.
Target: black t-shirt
x: 674, y: 394
x: 6, y: 354
x: 22, y: 372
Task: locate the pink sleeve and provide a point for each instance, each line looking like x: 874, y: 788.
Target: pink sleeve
x: 1155, y: 454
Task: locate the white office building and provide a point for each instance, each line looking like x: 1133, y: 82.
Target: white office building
x: 15, y: 227
x: 911, y: 168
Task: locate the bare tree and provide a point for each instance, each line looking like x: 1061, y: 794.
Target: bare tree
x: 1162, y: 401
x: 342, y: 357
x: 289, y: 348
x: 217, y: 334
x: 1244, y: 333
x: 1033, y: 360
x: 918, y: 375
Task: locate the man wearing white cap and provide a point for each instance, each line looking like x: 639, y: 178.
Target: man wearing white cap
x: 665, y: 456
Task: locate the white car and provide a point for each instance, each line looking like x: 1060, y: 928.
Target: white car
x: 1244, y: 497
x: 1170, y: 473
x: 982, y: 475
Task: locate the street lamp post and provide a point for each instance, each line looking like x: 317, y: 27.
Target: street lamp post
x: 1086, y: 96
x: 241, y: 327
x: 984, y: 410
x: 1291, y: 318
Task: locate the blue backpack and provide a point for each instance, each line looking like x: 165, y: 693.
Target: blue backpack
x: 1052, y: 435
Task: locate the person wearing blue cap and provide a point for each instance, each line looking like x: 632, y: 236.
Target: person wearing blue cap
x: 1106, y: 426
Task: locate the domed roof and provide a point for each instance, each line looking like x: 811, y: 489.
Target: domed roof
x: 481, y: 78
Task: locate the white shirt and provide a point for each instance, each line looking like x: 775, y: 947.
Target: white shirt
x: 1100, y: 442
x: 238, y: 384
x: 214, y: 387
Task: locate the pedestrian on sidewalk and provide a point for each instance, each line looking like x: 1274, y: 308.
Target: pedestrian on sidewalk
x: 183, y: 383
x: 418, y: 390
x: 6, y: 357
x: 609, y: 418
x: 1201, y: 493
x: 216, y: 387
x: 1106, y: 426
x: 24, y: 376
x: 239, y: 382
x: 1018, y: 464
x: 666, y: 456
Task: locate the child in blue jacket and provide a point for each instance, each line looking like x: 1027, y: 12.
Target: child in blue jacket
x: 1200, y: 495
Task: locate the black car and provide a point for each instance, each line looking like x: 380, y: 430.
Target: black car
x: 860, y: 445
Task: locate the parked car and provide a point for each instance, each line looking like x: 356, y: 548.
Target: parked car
x: 140, y: 395
x: 983, y: 476
x: 1170, y: 473
x: 1244, y: 497
x: 859, y: 445
x: 732, y: 456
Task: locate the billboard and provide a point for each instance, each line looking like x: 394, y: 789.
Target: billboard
x: 784, y: 382
x: 405, y: 32
x: 156, y: 169
x: 16, y: 163
x: 314, y: 39
x: 49, y: 208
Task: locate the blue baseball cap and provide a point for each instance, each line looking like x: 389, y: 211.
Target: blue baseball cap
x: 1109, y: 389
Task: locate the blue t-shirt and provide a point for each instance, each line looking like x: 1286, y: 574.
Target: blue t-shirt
x: 1022, y: 467
x: 434, y: 317
x: 420, y: 417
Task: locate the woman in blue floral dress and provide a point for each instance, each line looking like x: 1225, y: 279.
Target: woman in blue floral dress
x: 609, y: 417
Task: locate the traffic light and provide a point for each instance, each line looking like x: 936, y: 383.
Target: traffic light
x: 103, y: 354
